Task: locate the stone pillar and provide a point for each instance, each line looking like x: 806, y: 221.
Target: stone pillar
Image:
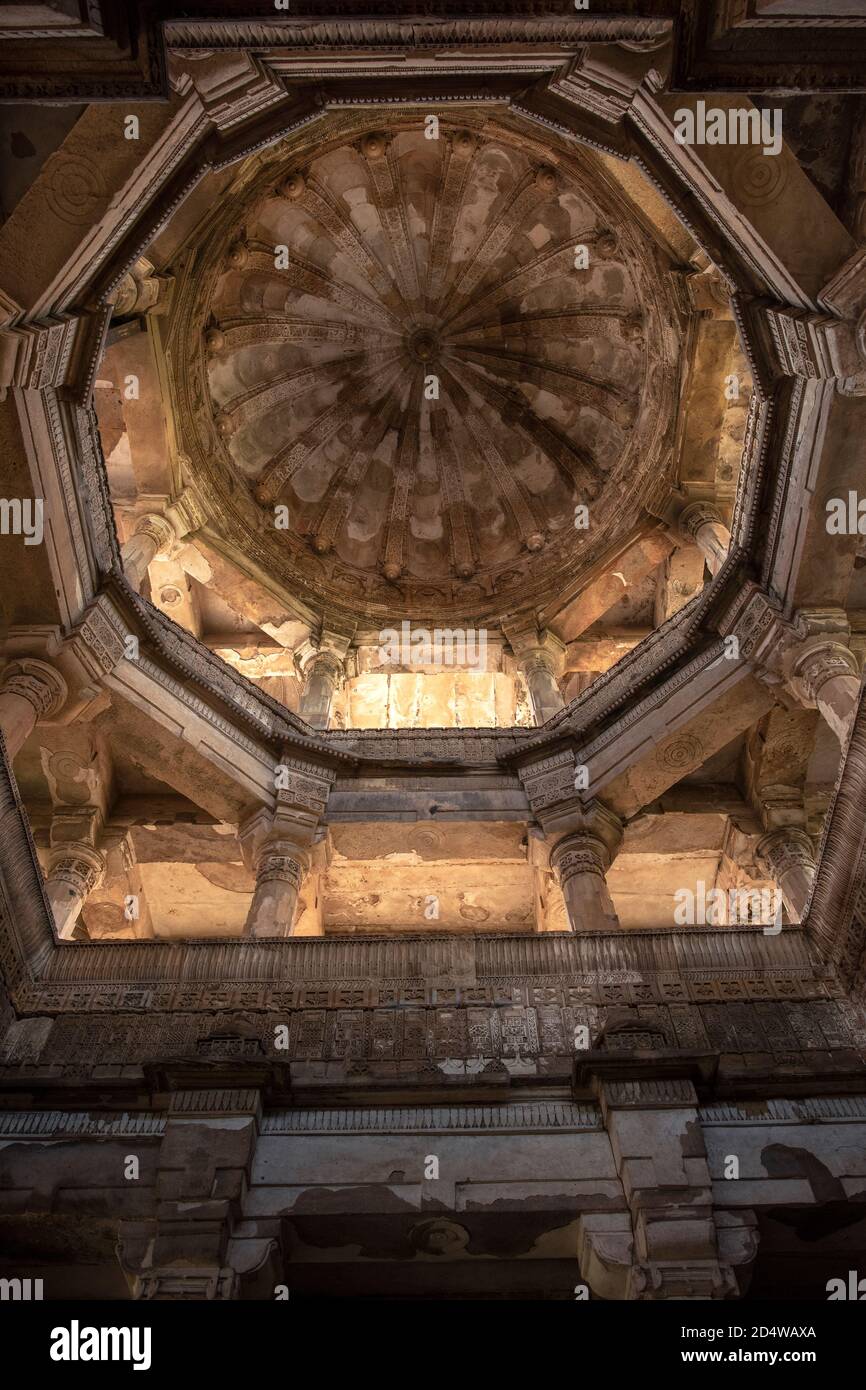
x: 74, y: 871
x: 788, y: 857
x: 544, y: 688
x: 826, y: 673
x: 658, y: 1146
x: 153, y: 535
x: 191, y: 1242
x: 29, y: 690
x: 540, y: 656
x: 580, y: 861
x: 701, y: 525
x: 280, y: 867
x: 323, y: 675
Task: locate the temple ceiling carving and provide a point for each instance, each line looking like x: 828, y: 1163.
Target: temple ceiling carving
x: 289, y: 272
x: 428, y: 352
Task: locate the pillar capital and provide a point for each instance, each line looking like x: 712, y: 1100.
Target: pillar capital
x: 787, y: 856
x: 820, y: 661
x: 694, y: 516
x: 74, y: 870
x: 280, y: 860
x: 78, y: 864
x: 784, y: 849
x: 594, y: 826
x: 700, y: 523
x: 580, y: 853
x: 37, y: 682
x: 159, y: 529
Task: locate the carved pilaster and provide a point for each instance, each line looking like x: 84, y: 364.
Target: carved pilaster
x: 142, y: 292
x: 188, y: 1251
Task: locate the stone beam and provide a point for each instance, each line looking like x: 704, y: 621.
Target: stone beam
x: 609, y: 587
x: 599, y: 653
x: 248, y: 597
x: 685, y: 726
x: 199, y: 755
x: 680, y: 577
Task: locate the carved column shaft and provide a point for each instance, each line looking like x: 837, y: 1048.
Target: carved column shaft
x: 74, y: 871
x: 323, y: 676
x: 281, y: 866
x: 788, y: 857
x: 540, y: 655
x: 580, y: 861
x: 153, y: 536
x: 828, y: 676
x: 29, y: 690
x: 702, y: 524
x: 539, y: 668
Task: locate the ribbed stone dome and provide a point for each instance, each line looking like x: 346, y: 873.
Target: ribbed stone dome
x: 429, y: 351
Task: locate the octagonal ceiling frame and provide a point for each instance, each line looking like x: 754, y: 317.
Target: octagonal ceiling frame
x: 184, y: 162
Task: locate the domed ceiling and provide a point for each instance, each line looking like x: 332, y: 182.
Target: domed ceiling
x: 402, y: 362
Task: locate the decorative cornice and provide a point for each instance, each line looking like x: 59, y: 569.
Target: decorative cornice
x: 537, y: 1117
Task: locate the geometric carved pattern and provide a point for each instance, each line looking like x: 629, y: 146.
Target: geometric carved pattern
x: 306, y: 377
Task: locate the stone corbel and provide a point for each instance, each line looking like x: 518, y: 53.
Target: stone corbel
x: 605, y: 1250
x: 707, y: 291
x: 38, y: 353
x: 604, y: 78
x: 845, y: 297
x: 141, y: 291
x: 800, y: 343
x: 233, y: 86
